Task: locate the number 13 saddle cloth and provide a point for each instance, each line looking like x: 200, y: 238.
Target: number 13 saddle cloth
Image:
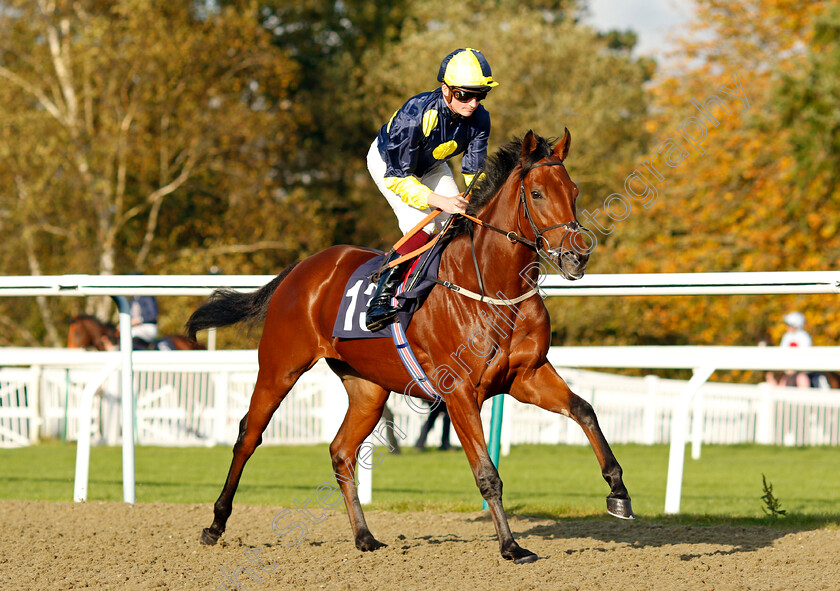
x: 350, y: 322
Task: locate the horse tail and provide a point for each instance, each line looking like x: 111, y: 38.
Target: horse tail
x: 228, y: 306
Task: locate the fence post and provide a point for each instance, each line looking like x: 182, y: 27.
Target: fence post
x: 111, y: 410
x: 35, y: 404
x: 333, y: 401
x: 507, y: 419
x: 697, y: 420
x: 496, y: 428
x: 80, y: 485
x: 221, y: 387
x: 764, y: 415
x: 495, y: 432
x: 127, y: 387
x: 649, y: 417
x: 64, y: 429
x: 679, y: 426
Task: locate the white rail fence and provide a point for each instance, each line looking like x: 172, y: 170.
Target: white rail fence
x: 198, y: 398
x: 688, y: 410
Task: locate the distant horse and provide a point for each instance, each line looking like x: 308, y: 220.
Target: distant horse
x: 832, y: 377
x: 471, y: 350
x: 88, y: 332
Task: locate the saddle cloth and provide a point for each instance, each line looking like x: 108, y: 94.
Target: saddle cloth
x: 350, y: 321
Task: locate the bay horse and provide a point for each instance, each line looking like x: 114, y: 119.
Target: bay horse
x: 472, y: 350
x: 88, y: 332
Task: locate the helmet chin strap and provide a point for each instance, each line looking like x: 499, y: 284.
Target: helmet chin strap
x: 455, y: 114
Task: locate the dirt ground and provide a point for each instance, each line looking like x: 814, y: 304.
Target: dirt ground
x: 155, y: 546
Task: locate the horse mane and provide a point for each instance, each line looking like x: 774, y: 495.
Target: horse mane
x: 497, y: 169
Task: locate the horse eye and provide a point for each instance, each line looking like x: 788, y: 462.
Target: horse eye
x: 536, y: 195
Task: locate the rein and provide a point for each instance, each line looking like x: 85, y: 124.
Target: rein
x: 536, y: 244
x: 423, y: 222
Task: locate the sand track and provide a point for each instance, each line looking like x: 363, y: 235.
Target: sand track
x: 49, y: 546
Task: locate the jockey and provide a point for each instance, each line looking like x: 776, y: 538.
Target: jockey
x: 408, y: 158
x: 144, y: 318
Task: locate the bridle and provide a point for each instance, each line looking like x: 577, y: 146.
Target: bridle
x: 514, y: 237
x: 537, y: 244
x: 539, y: 234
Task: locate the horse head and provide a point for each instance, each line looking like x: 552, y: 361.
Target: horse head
x: 526, y: 194
x: 546, y: 207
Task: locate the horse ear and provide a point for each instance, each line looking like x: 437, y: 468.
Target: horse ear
x: 529, y: 144
x: 561, y: 150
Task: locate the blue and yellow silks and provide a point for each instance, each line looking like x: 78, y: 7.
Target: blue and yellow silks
x: 423, y: 133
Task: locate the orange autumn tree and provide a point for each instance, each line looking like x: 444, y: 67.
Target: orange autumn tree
x: 720, y: 188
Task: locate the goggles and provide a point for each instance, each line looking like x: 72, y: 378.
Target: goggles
x: 465, y: 96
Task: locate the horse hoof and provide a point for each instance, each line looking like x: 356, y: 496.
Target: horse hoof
x: 208, y: 538
x: 518, y: 554
x: 369, y: 544
x: 620, y: 508
x: 528, y: 557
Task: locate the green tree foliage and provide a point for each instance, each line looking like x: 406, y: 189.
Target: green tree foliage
x: 552, y: 73
x: 809, y: 101
x: 327, y: 39
x: 144, y: 135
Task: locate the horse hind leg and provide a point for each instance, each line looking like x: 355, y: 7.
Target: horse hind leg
x: 366, y: 402
x: 266, y: 398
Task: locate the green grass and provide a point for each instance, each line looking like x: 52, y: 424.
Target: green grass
x: 724, y: 486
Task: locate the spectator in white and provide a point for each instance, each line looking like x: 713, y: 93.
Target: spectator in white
x: 144, y: 317
x: 796, y: 336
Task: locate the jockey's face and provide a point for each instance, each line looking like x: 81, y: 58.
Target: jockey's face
x: 462, y: 107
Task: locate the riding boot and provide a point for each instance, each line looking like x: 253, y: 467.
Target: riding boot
x: 380, y: 313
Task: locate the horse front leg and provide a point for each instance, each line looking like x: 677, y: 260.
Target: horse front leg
x: 543, y: 387
x: 466, y: 420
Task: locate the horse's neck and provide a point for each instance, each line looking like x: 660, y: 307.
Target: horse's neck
x: 506, y: 267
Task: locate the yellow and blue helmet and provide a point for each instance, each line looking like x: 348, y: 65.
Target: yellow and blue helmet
x: 466, y: 68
